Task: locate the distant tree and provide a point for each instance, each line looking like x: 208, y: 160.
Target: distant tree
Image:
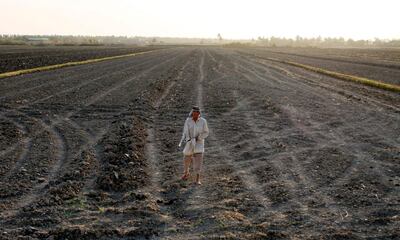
x: 219, y: 37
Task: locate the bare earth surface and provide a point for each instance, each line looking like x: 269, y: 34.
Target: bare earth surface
x: 90, y: 152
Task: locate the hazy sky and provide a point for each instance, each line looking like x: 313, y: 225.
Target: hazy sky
x: 358, y: 19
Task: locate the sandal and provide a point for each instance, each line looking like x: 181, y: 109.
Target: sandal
x: 185, y: 177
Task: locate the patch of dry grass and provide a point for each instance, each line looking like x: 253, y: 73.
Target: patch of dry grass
x: 362, y: 80
x: 67, y: 64
x: 342, y: 76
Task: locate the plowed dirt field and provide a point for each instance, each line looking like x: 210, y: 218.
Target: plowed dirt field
x: 90, y: 151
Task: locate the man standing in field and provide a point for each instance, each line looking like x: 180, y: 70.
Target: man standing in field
x: 195, y: 131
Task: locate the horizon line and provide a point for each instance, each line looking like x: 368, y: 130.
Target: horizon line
x: 210, y: 38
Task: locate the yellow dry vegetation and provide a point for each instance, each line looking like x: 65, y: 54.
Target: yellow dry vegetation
x: 228, y: 216
x: 347, y: 77
x: 342, y: 76
x: 67, y: 64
